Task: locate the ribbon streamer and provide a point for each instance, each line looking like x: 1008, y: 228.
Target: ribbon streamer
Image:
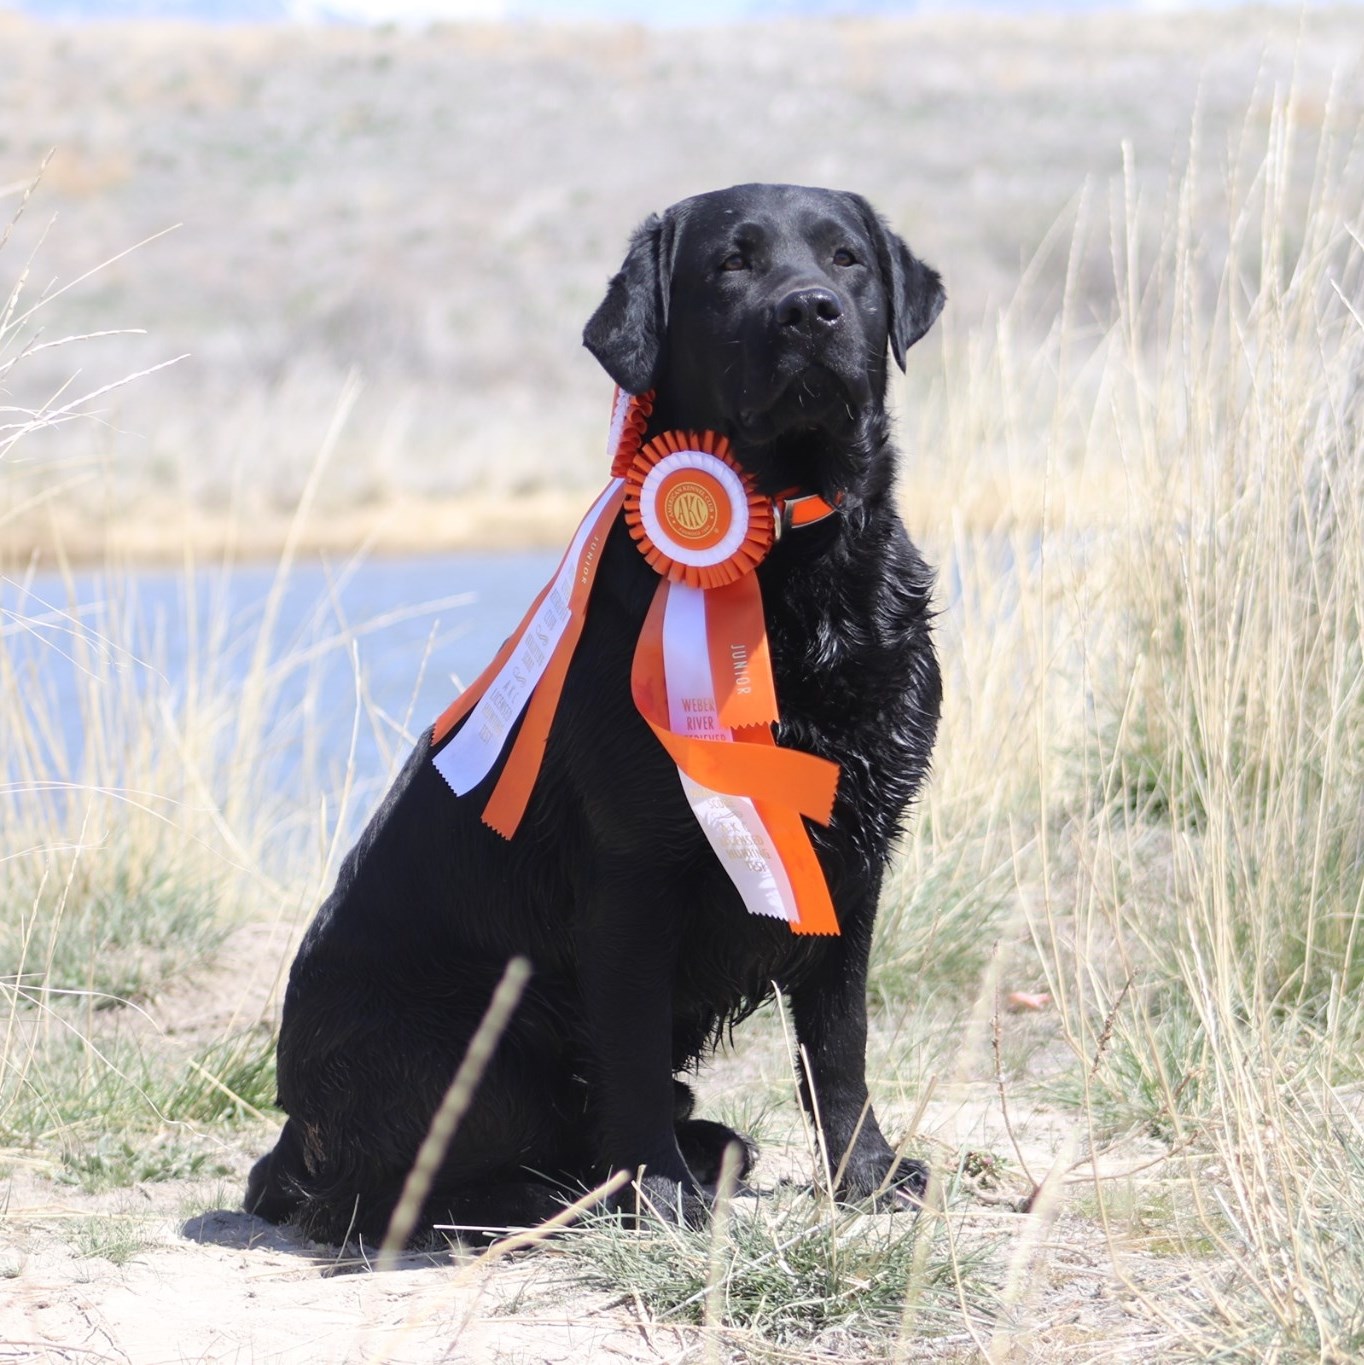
x: 702, y: 674
x: 542, y: 644
x: 746, y: 793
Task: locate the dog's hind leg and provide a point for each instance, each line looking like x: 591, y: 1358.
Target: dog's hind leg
x: 274, y: 1189
x: 341, y: 1165
x: 474, y: 1215
x: 479, y: 1215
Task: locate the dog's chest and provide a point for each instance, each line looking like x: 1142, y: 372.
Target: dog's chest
x: 858, y: 684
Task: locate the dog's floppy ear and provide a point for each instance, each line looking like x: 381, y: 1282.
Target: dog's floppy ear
x: 626, y: 332
x: 914, y: 290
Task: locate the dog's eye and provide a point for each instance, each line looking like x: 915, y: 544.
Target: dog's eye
x: 734, y: 261
x: 844, y: 257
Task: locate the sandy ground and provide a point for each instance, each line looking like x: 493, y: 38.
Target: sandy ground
x: 226, y: 1287
x: 207, y: 1282
x: 223, y: 1286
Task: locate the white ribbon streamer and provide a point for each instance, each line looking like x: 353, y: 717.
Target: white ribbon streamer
x: 731, y: 824
x: 469, y: 757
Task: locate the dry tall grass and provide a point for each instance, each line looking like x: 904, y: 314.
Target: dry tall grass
x: 1155, y: 722
x: 440, y: 212
x: 139, y: 826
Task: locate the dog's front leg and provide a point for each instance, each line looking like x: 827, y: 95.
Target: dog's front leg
x: 830, y: 1012
x: 627, y: 953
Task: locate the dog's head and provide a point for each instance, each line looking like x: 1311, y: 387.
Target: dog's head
x: 764, y: 312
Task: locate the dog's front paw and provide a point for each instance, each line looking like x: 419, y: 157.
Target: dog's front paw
x: 891, y: 1185
x: 659, y: 1196
x: 703, y: 1144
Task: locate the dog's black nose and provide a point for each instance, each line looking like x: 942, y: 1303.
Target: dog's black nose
x: 809, y: 309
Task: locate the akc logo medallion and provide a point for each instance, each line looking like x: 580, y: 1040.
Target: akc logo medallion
x: 694, y: 512
x: 694, y: 508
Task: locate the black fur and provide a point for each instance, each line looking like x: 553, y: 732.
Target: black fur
x: 763, y: 312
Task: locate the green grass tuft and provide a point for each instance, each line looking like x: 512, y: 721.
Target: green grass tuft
x: 788, y: 1269
x: 116, y: 1238
x: 113, y: 1162
x: 119, y: 935
x: 89, y: 1100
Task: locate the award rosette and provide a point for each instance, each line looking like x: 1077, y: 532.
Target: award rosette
x: 693, y: 511
x: 702, y: 673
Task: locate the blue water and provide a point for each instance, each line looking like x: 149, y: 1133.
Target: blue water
x: 353, y: 661
x: 356, y: 657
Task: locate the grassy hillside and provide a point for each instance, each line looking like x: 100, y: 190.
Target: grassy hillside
x: 437, y: 213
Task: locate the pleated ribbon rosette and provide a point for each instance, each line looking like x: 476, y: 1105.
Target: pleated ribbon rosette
x: 702, y: 674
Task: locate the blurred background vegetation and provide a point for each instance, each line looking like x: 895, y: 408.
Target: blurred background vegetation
x: 437, y: 210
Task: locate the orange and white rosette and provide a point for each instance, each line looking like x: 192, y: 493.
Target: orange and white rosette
x: 694, y: 512
x: 702, y: 673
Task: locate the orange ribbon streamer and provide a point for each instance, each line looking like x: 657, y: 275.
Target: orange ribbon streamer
x: 781, y: 785
x: 466, y: 701
x: 784, y: 776
x: 507, y: 804
x: 740, y: 662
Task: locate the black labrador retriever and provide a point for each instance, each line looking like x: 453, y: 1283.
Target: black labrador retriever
x: 762, y: 312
